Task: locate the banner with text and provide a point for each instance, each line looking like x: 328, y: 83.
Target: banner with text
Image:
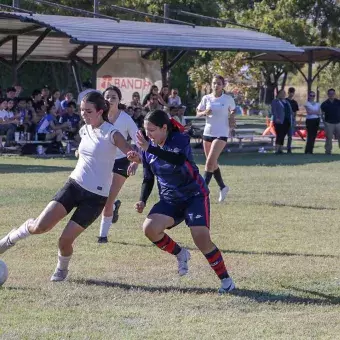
x: 131, y: 73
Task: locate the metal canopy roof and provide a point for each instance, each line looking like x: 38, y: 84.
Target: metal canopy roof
x: 69, y: 31
x: 318, y: 53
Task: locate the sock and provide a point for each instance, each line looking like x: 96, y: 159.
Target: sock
x: 168, y: 244
x: 105, y: 225
x: 20, y: 233
x: 207, y: 176
x: 216, y: 262
x: 114, y: 206
x: 63, y: 261
x: 218, y: 178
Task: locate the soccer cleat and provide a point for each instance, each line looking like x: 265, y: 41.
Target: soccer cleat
x: 227, y: 285
x: 183, y: 257
x: 59, y: 275
x: 102, y: 239
x: 115, y: 215
x: 5, y: 243
x: 223, y: 194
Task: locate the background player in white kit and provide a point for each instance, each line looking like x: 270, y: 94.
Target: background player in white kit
x: 87, y: 188
x: 122, y: 168
x: 217, y: 108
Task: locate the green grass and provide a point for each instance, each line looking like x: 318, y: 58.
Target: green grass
x: 279, y: 233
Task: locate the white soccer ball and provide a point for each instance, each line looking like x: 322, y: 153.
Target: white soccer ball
x: 3, y: 272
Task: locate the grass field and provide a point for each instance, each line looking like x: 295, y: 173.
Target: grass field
x: 279, y: 232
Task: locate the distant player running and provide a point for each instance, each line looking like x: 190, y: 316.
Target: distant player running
x: 216, y: 108
x: 183, y: 195
x: 87, y: 188
x: 122, y: 168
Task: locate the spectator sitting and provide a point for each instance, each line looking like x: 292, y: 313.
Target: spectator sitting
x: 73, y: 119
x: 138, y: 117
x: 48, y: 127
x: 10, y: 93
x: 174, y: 99
x: 7, y: 123
x: 152, y: 104
x: 55, y: 98
x: 154, y: 92
x: 25, y: 115
x: 136, y: 100
x: 45, y: 94
x: 18, y: 90
x: 174, y: 113
x: 180, y: 114
x: 165, y: 93
x: 68, y: 99
x: 11, y: 109
x: 37, y: 101
x: 129, y: 111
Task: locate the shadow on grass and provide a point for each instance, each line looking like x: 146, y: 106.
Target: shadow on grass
x: 240, y: 252
x: 268, y: 297
x: 252, y: 159
x: 255, y: 295
x: 21, y: 168
x: 282, y: 205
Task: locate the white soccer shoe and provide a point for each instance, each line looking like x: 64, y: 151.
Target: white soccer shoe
x: 182, y: 258
x: 5, y: 243
x: 227, y: 285
x: 223, y: 194
x: 59, y: 275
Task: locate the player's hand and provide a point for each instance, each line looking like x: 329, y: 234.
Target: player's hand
x: 142, y: 143
x: 133, y: 156
x: 139, y: 206
x: 208, y: 112
x: 76, y: 153
x: 131, y: 171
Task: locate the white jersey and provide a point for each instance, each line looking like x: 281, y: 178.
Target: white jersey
x: 217, y: 124
x: 127, y: 127
x: 97, y: 154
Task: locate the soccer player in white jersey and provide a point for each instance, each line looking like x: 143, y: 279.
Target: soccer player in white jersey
x: 122, y: 168
x: 217, y: 108
x: 87, y: 188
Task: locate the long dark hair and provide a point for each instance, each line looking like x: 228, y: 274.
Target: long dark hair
x: 97, y: 99
x: 160, y: 118
x: 119, y: 93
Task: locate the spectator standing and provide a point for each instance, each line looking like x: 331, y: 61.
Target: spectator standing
x: 331, y: 118
x: 295, y: 108
x: 282, y: 117
x: 312, y: 121
x: 174, y: 99
x: 136, y: 101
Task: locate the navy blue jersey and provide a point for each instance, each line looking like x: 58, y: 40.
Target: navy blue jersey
x: 175, y: 182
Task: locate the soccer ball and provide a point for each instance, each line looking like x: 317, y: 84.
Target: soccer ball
x: 3, y: 272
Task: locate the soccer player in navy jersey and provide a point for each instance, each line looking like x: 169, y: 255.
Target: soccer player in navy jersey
x: 183, y: 193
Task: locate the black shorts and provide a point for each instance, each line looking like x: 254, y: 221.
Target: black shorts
x: 89, y: 206
x: 121, y: 167
x: 211, y: 139
x: 195, y: 211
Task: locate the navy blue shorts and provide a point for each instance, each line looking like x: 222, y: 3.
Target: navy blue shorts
x: 195, y: 212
